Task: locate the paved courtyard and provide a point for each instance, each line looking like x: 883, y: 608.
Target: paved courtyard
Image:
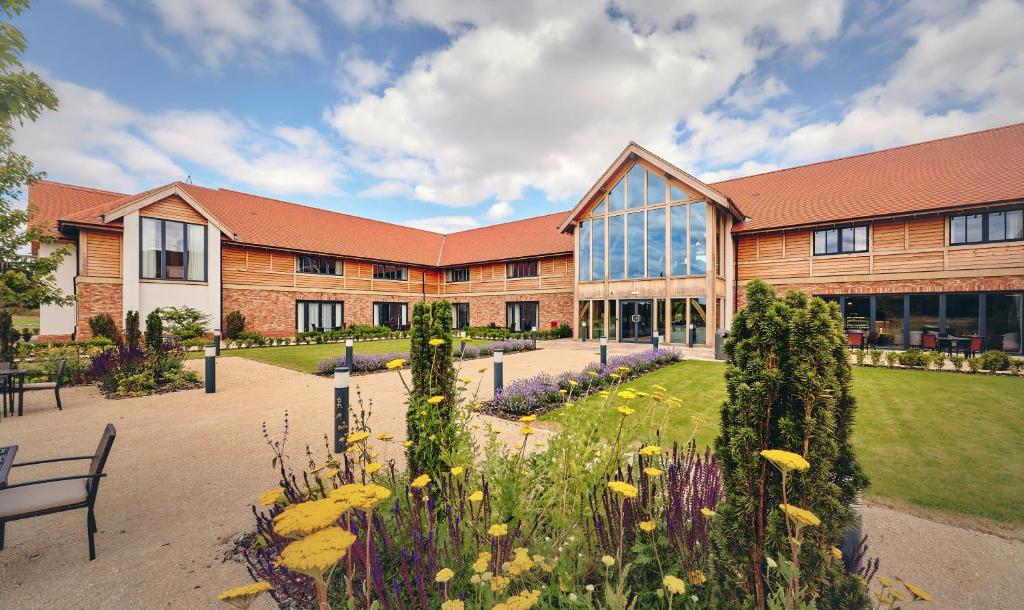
x: 186, y: 467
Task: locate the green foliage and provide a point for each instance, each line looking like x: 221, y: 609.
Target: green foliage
x: 135, y: 383
x: 891, y: 359
x: 958, y: 361
x: 937, y: 360
x: 185, y: 322
x: 995, y: 360
x: 99, y: 341
x: 562, y: 331
x: 132, y: 333
x: 234, y: 325
x: 788, y: 383
x: 250, y: 338
x: 102, y: 325
x: 154, y: 331
x: 974, y: 364
x: 876, y: 357
x: 913, y: 358
x: 7, y: 336
x: 860, y: 357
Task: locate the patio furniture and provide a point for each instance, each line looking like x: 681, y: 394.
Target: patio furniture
x: 49, y: 385
x: 4, y: 366
x: 855, y: 338
x: 6, y: 461
x: 13, y: 384
x: 58, y: 494
x: 915, y: 338
x: 973, y: 346
x: 929, y: 341
x: 1011, y: 342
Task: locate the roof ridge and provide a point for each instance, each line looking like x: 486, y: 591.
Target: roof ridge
x: 440, y: 251
x: 80, y: 187
x: 508, y: 222
x: 869, y: 152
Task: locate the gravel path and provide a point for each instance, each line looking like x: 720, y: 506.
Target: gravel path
x: 186, y: 465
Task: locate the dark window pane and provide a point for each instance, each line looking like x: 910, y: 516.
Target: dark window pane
x: 1003, y: 321
x: 889, y: 320
x: 174, y: 250
x: 698, y: 320
x: 616, y: 247
x: 924, y: 316
x: 962, y: 314
x: 858, y: 313
x: 152, y: 245
x: 522, y: 316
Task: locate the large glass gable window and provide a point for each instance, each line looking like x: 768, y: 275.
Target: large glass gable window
x: 172, y: 250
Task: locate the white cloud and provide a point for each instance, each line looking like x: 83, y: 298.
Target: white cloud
x: 387, y: 188
x: 750, y: 95
x: 250, y: 29
x: 543, y: 95
x: 748, y: 168
x: 97, y: 141
x: 101, y: 8
x: 499, y: 211
x: 359, y: 12
x: 356, y: 75
x: 443, y: 224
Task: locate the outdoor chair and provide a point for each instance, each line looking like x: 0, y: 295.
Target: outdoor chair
x: 929, y: 341
x: 48, y: 496
x: 50, y: 385
x: 1011, y: 342
x: 915, y: 338
x: 4, y: 366
x: 856, y: 339
x: 974, y: 347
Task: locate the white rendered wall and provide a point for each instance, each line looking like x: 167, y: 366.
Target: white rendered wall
x: 56, y: 319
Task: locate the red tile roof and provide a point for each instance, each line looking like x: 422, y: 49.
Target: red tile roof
x: 273, y: 223
x: 959, y: 171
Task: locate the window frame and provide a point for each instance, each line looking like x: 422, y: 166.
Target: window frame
x: 508, y: 309
x: 401, y: 305
x: 305, y: 303
x: 455, y: 317
x: 510, y: 266
x: 381, y: 271
x: 322, y: 258
x: 839, y: 240
x: 449, y: 275
x: 985, y: 220
x: 162, y: 252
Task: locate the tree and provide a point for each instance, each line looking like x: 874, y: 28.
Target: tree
x: 235, y: 325
x: 24, y: 280
x: 185, y: 322
x: 788, y: 383
x: 132, y: 334
x: 154, y: 331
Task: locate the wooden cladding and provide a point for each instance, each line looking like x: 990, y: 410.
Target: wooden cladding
x: 555, y: 273
x: 99, y: 254
x: 901, y: 246
x: 173, y: 208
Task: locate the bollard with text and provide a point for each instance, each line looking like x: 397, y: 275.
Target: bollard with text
x: 211, y: 369
x: 604, y: 351
x: 216, y: 339
x: 340, y: 408
x: 348, y: 353
x: 499, y: 381
x: 655, y: 339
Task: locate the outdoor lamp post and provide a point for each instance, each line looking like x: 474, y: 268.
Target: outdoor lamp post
x: 348, y: 353
x: 211, y: 369
x: 499, y: 382
x: 655, y: 340
x: 340, y: 407
x: 216, y: 339
x: 604, y: 351
x: 533, y: 335
x: 462, y: 344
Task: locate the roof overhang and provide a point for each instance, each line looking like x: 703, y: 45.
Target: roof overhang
x: 152, y: 197
x: 632, y: 152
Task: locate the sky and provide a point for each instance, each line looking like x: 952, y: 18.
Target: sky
x: 448, y: 114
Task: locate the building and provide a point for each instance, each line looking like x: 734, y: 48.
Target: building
x: 919, y: 238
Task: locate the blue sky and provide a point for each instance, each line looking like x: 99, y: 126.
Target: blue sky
x: 446, y: 114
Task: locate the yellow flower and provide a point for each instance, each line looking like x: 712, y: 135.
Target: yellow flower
x: 626, y: 411
x: 371, y: 468
x: 838, y: 554
x: 307, y: 517
x: 397, y: 363
x: 652, y: 471
x: 436, y: 342
x: 420, y: 481
x: 242, y: 597
x: 407, y: 444
x: 457, y: 470
x: 330, y: 473
x: 499, y: 583
x: 785, y: 460
x: 465, y: 380
x: 527, y: 430
x: 528, y: 418
x: 801, y: 516
x: 271, y: 497
x: 592, y: 373
x: 608, y: 561
x: 650, y: 450
x: 453, y: 604
x: 316, y: 553
x: 659, y: 388
x: 562, y: 391
x: 482, y: 561
x: 357, y: 437
x: 573, y: 383
x: 363, y: 497
x: 384, y: 436
x: 917, y: 592
x: 444, y: 575
x: 614, y: 375
x: 626, y: 394
x: 696, y: 577
x: 498, y: 530
x: 524, y: 600
x: 675, y: 586
x: 708, y: 513
x: 623, y: 488
x: 885, y: 581
x: 435, y: 399
x: 624, y: 369
x: 482, y: 370
x: 647, y: 526
x: 476, y: 496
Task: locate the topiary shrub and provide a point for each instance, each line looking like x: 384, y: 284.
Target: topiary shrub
x: 995, y: 360
x: 876, y: 357
x: 132, y: 333
x: 957, y: 361
x: 859, y: 356
x: 937, y: 360
x: 234, y: 325
x: 8, y: 336
x: 154, y: 331
x: 185, y: 322
x: 891, y: 359
x: 788, y: 379
x: 913, y: 357
x: 102, y: 325
x: 974, y: 364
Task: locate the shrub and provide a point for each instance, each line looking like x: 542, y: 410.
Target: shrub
x: 7, y: 336
x: 937, y: 360
x: 132, y: 333
x: 788, y: 380
x: 77, y: 364
x: 995, y: 360
x: 250, y: 338
x: 860, y: 357
x: 891, y: 359
x: 974, y: 364
x: 99, y: 341
x: 26, y: 334
x: 913, y: 357
x: 154, y: 331
x: 1017, y: 365
x: 957, y: 361
x: 185, y: 322
x: 102, y: 325
x: 137, y: 383
x: 876, y: 357
x: 234, y: 325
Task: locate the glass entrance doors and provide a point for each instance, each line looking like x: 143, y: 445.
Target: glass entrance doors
x: 636, y: 320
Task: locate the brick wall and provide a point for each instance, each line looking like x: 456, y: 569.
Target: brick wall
x: 95, y: 299
x: 484, y: 310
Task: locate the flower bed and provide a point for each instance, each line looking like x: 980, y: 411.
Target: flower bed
x: 374, y: 363
x: 543, y: 392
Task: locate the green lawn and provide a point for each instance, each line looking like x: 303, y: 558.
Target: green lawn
x: 944, y: 441
x: 305, y: 357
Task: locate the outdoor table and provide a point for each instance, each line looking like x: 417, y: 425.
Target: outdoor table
x: 6, y: 461
x: 10, y: 388
x: 953, y: 344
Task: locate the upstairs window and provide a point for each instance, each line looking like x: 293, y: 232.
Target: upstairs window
x: 986, y: 227
x: 456, y: 275
x: 322, y: 265
x: 383, y: 271
x: 841, y: 241
x: 522, y: 269
x: 171, y: 250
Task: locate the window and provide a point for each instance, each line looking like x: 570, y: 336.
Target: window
x: 393, y: 315
x: 698, y: 238
x: 676, y: 194
x: 1005, y: 225
x: 677, y: 244
x: 385, y: 271
x: 655, y: 189
x: 311, y: 316
x: 584, y: 251
x: 521, y: 316
x: 841, y: 241
x: 656, y: 243
x: 635, y: 244
x: 635, y: 187
x: 456, y: 275
x: 616, y: 247
x: 460, y: 316
x: 617, y: 197
x: 522, y: 269
x: 599, y: 208
x: 323, y: 265
x: 597, y: 249
x: 172, y: 250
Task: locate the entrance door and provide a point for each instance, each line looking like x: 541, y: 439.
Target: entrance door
x: 636, y: 322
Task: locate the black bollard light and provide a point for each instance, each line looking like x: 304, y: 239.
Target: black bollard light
x: 533, y: 335
x: 340, y: 408
x: 211, y: 369
x: 499, y: 381
x: 462, y: 344
x: 655, y: 339
x: 348, y: 353
x: 604, y: 351
x: 216, y: 339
